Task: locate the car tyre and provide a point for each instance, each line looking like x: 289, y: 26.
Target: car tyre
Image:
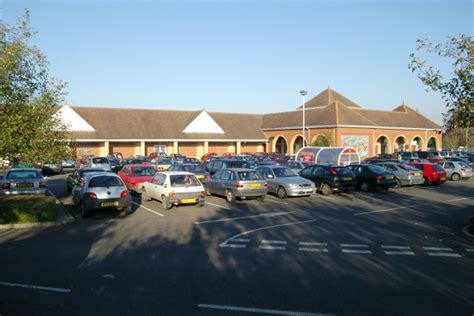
x: 69, y: 189
x: 85, y: 212
x: 455, y: 177
x: 399, y: 184
x: 427, y: 181
x: 145, y: 196
x: 230, y: 196
x: 325, y: 189
x: 364, y: 186
x: 128, y: 209
x: 166, y: 203
x: 281, y: 193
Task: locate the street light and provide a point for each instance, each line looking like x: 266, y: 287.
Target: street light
x: 303, y: 93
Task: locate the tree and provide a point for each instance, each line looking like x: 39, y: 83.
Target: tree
x: 322, y: 140
x: 29, y: 98
x: 457, y: 91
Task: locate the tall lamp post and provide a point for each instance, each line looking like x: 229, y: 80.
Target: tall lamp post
x: 303, y: 93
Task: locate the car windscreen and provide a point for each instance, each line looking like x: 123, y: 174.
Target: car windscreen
x: 184, y: 180
x: 463, y: 165
x: 437, y: 167
x: 284, y: 172
x: 100, y: 160
x: 143, y: 171
x: 105, y: 182
x: 23, y: 175
x: 249, y: 175
x: 376, y: 169
x: 343, y: 171
x: 237, y: 164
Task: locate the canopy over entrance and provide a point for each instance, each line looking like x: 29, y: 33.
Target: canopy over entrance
x: 341, y: 156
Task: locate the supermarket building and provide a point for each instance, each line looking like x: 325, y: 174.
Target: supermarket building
x: 329, y: 117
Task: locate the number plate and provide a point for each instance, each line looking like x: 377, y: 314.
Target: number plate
x: 24, y: 185
x: 200, y: 176
x: 347, y: 179
x: 109, y: 204
x: 443, y: 178
x: 186, y: 201
x: 417, y: 174
x: 255, y: 185
x: 389, y: 177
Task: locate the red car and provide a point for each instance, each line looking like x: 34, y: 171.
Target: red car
x: 135, y: 175
x: 432, y: 172
x: 207, y: 156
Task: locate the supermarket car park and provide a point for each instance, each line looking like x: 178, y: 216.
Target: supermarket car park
x: 369, y: 249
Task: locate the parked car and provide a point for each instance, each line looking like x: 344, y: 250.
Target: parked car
x: 465, y: 160
x: 456, y: 170
x: 23, y: 181
x: 161, y: 164
x: 51, y: 168
x: 101, y: 191
x: 297, y: 166
x: 432, y: 156
x: 78, y: 175
x: 407, y: 155
x: 373, y: 177
x: 174, y: 188
x: 199, y: 171
x: 98, y: 162
x: 215, y: 165
x: 328, y: 178
x: 432, y: 172
x: 206, y: 157
x: 68, y: 163
x: 192, y: 160
x: 134, y: 176
x: 237, y: 183
x: 404, y: 174
x: 284, y: 182
x: 177, y: 158
x: 115, y: 164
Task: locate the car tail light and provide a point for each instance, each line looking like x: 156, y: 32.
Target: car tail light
x: 378, y: 178
x: 92, y: 195
x: 123, y: 194
x: 265, y: 184
x: 463, y: 170
x: 332, y: 170
x: 203, y: 193
x: 6, y: 185
x: 42, y: 184
x: 207, y: 176
x: 239, y: 185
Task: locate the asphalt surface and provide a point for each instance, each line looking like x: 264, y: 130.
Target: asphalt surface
x: 400, y: 252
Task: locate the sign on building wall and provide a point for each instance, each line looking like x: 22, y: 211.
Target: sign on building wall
x: 359, y: 142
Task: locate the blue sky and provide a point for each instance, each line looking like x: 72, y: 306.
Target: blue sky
x: 240, y: 56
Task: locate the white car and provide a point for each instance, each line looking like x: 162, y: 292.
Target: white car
x: 174, y: 188
x: 99, y: 162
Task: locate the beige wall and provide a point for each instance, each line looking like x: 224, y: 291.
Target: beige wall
x: 127, y: 149
x: 85, y: 149
x: 217, y: 147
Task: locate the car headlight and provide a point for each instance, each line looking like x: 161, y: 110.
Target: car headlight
x: 293, y: 185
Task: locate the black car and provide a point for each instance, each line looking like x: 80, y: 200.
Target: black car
x: 373, y: 177
x: 78, y: 174
x: 115, y: 164
x: 216, y: 165
x: 329, y: 178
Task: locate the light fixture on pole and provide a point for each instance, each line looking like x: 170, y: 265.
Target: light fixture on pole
x: 303, y: 93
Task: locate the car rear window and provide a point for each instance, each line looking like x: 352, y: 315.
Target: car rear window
x: 100, y: 160
x: 105, y: 182
x: 408, y: 167
x: 237, y: 164
x: 437, y: 167
x: 184, y: 180
x: 284, y: 172
x: 249, y: 175
x: 143, y: 171
x: 343, y: 171
x: 23, y: 175
x: 376, y: 169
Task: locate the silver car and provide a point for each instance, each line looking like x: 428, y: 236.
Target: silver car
x: 236, y: 183
x: 23, y: 181
x: 456, y: 170
x: 99, y: 162
x: 404, y: 174
x: 101, y: 191
x: 284, y: 182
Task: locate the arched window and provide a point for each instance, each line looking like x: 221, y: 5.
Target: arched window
x: 298, y: 143
x: 417, y: 143
x: 400, y: 144
x: 281, y: 146
x: 382, y: 145
x: 432, y: 143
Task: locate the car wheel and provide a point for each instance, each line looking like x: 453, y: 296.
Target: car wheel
x: 455, y: 177
x: 206, y: 190
x: 145, y: 196
x: 364, y: 186
x: 281, y: 193
x: 166, y: 203
x: 399, y: 184
x: 325, y: 189
x: 229, y: 196
x: 128, y: 209
x: 69, y: 189
x: 261, y: 198
x: 85, y: 212
x: 427, y: 181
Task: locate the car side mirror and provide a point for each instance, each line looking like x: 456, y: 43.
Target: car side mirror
x: 165, y: 186
x: 46, y: 178
x: 269, y: 176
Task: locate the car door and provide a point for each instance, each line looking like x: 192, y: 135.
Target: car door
x: 123, y: 175
x: 226, y: 182
x: 318, y: 175
x: 213, y: 183
x: 449, y: 168
x: 272, y: 180
x: 307, y: 173
x: 77, y: 191
x: 72, y: 179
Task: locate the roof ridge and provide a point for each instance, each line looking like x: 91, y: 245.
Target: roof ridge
x: 369, y: 120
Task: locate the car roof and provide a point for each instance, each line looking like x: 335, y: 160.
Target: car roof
x: 22, y: 169
x: 138, y: 165
x: 173, y: 173
x: 96, y: 174
x: 240, y: 169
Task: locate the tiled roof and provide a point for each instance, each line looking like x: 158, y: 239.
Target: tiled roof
x: 326, y: 97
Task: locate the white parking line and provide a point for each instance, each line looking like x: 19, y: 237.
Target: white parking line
x: 241, y: 240
x: 444, y: 254
x: 281, y: 242
x: 232, y: 246
x: 310, y: 243
x: 437, y: 248
x: 147, y: 209
x: 272, y: 247
x: 460, y: 199
x: 354, y: 245
x: 367, y: 252
x: 469, y: 249
x: 313, y: 249
x: 241, y: 217
x: 400, y: 253
x: 217, y: 205
x: 258, y: 310
x: 37, y: 287
x: 395, y: 247
x: 388, y: 209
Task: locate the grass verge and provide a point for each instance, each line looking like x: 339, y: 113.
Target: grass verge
x: 21, y: 209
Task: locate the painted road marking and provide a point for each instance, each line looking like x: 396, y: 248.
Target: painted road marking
x: 460, y: 199
x: 217, y: 205
x: 437, y: 248
x: 274, y: 242
x: 37, y: 287
x: 354, y: 245
x: 147, y: 209
x: 242, y: 217
x: 265, y: 228
x: 469, y: 249
x: 272, y: 247
x: 444, y: 254
x: 232, y: 246
x: 313, y: 249
x: 258, y: 310
x: 367, y: 252
x: 241, y: 240
x: 400, y: 253
x: 395, y: 247
x: 310, y: 243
